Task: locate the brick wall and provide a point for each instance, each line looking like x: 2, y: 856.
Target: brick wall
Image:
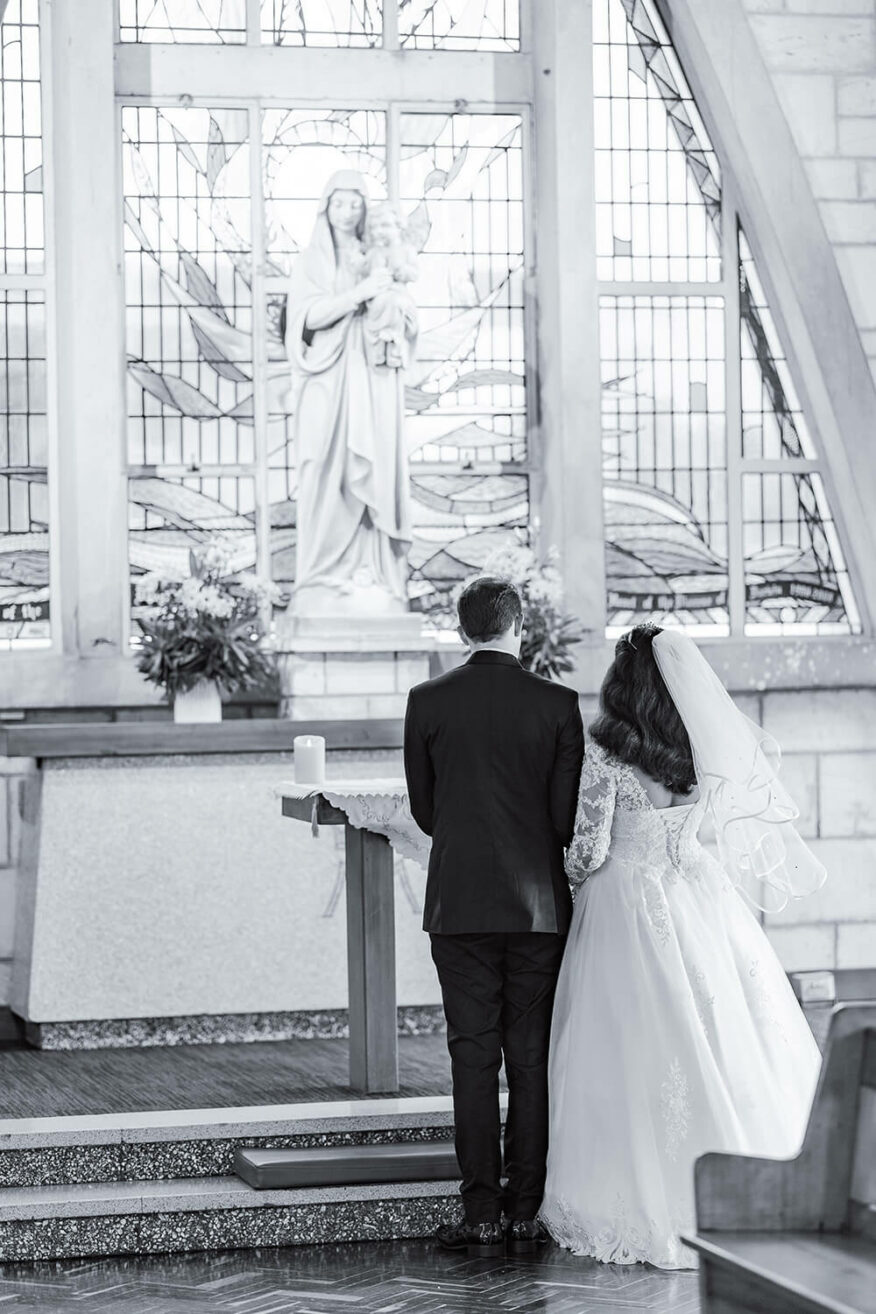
x: 828, y: 740
x: 822, y: 58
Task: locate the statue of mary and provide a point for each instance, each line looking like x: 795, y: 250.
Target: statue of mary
x: 353, y: 486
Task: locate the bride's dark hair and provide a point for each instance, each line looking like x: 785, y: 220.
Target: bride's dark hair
x: 638, y: 722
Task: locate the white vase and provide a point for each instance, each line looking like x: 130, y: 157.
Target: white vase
x: 199, y: 704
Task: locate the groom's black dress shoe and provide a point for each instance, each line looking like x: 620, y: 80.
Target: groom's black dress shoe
x: 525, y: 1235
x: 481, y: 1239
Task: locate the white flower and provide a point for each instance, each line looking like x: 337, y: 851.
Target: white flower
x: 215, y: 556
x: 190, y: 593
x: 263, y: 590
x: 213, y: 602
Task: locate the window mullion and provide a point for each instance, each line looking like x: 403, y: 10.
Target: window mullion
x: 259, y: 345
x: 390, y: 25
x: 733, y: 415
x: 393, y: 152
x: 253, y: 23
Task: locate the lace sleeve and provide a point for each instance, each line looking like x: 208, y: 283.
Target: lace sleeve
x: 596, y: 798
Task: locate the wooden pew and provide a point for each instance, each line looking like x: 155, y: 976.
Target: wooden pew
x: 798, y: 1236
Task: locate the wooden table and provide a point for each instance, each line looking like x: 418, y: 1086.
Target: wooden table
x: 370, y: 947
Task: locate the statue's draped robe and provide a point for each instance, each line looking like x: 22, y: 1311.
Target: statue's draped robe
x: 353, y: 482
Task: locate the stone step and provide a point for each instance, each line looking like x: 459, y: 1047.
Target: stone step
x: 154, y: 1217
x: 346, y: 1165
x: 201, y: 1143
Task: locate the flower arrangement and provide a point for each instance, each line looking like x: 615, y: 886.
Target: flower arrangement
x: 205, y: 626
x: 549, y: 631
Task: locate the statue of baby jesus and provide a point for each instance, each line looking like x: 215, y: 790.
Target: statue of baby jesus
x: 390, y: 316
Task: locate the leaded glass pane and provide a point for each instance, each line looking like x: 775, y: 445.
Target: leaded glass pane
x: 461, y: 189
x: 773, y: 424
x: 795, y: 576
x: 459, y: 24
x: 167, y: 517
x: 460, y: 521
x: 201, y: 22
x: 658, y: 194
x: 665, y: 463
x: 24, y: 508
x: 322, y: 22
x: 22, y: 239
x: 188, y: 277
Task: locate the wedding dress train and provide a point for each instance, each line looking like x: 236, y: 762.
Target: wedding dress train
x: 675, y: 1030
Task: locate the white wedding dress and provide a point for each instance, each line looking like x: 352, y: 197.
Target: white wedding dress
x: 675, y: 1030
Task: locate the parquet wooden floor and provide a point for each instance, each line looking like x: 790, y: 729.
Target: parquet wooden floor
x: 404, y: 1277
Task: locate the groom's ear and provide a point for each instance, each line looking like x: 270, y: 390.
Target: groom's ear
x: 518, y: 627
x: 462, y: 634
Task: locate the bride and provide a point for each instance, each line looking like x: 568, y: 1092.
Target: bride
x: 675, y: 1030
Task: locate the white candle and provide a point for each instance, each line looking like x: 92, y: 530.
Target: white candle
x: 309, y: 759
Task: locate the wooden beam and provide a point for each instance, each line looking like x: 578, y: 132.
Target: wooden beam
x: 371, y: 962
x: 295, y: 76
x: 301, y: 809
x: 151, y: 738
x: 569, y: 425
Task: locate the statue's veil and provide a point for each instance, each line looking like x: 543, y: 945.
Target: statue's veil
x: 736, y: 764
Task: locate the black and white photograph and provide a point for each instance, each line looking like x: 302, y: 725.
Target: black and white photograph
x: 438, y: 656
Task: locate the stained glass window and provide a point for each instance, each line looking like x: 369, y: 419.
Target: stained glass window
x: 459, y: 24
x: 665, y: 463
x: 658, y: 191
x: 461, y: 187
x: 701, y: 529
x: 24, y: 509
x: 188, y: 256
x: 168, y: 516
x: 488, y: 25
x: 186, y: 21
x: 22, y: 241
x: 24, y: 457
x: 796, y: 579
x: 322, y: 22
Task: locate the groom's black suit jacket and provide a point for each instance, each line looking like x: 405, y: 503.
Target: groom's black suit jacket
x: 493, y: 758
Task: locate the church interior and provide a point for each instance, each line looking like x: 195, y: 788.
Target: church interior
x: 626, y: 358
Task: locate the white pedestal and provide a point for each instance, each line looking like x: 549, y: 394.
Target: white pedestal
x: 341, y: 668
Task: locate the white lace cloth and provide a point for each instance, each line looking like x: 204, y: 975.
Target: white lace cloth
x: 381, y: 806
x: 675, y: 1030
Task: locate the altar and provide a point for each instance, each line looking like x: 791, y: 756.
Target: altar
x: 163, y: 899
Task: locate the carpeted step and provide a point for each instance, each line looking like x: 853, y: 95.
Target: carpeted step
x: 346, y: 1165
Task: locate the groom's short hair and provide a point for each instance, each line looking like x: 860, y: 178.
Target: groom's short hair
x: 488, y: 607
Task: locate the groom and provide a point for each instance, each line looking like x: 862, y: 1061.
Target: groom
x: 493, y: 756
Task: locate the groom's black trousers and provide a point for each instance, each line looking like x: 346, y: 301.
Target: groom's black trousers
x: 498, y: 992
